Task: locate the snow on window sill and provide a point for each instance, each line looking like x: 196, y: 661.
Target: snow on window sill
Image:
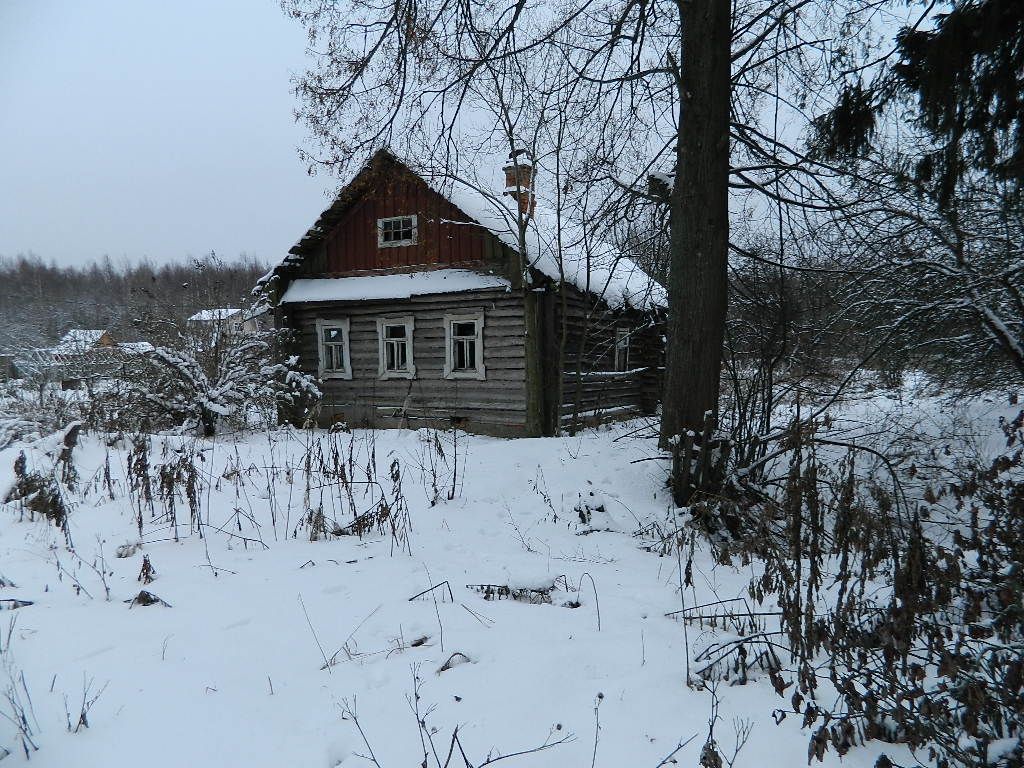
x: 347, y: 375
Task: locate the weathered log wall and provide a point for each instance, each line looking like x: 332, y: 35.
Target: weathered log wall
x: 592, y: 390
x: 495, y: 405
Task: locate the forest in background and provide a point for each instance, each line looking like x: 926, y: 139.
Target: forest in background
x: 40, y: 300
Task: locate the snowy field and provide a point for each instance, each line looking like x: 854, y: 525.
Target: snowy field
x: 270, y: 642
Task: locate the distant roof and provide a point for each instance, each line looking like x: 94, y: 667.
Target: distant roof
x: 590, y: 265
x: 401, y: 286
x: 214, y: 315
x: 139, y: 347
x: 79, y: 340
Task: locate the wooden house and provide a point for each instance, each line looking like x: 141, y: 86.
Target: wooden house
x: 80, y: 341
x: 412, y: 301
x: 228, y: 319
x: 82, y: 355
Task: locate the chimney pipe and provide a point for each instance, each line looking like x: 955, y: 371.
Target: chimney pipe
x: 519, y: 176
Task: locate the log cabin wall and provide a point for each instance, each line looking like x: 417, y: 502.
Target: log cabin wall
x: 592, y: 389
x: 496, y: 405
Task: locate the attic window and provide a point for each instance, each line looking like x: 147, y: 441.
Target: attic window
x: 397, y: 230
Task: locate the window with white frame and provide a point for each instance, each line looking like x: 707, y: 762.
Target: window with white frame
x: 394, y: 338
x: 397, y: 230
x: 464, y: 346
x: 332, y: 343
x: 621, y: 349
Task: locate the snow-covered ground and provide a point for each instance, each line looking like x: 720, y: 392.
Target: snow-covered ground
x: 232, y: 671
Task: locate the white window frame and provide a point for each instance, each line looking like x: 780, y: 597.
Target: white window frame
x: 622, y: 339
x: 382, y: 371
x: 323, y: 371
x: 398, y: 243
x: 480, y: 372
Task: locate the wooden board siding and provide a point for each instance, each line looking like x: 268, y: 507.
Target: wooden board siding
x: 496, y: 405
x: 352, y: 247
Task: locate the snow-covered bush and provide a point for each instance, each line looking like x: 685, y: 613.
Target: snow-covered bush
x: 14, y: 428
x: 42, y: 490
x: 200, y: 375
x: 37, y: 370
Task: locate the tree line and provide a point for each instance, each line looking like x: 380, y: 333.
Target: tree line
x: 41, y: 300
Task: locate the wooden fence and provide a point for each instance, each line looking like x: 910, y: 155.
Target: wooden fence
x: 699, y: 465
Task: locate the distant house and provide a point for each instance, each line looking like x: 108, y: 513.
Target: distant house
x: 411, y: 303
x: 231, y: 319
x: 79, y: 341
x: 84, y: 354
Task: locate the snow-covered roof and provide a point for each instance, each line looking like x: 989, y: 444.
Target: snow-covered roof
x: 136, y: 347
x: 79, y: 340
x: 589, y: 264
x: 402, y: 286
x: 579, y: 258
x: 214, y: 315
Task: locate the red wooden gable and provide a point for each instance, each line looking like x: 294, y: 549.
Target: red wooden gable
x: 446, y: 237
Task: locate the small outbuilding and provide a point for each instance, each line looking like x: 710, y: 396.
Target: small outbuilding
x: 8, y: 369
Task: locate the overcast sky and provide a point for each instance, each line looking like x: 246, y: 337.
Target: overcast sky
x: 151, y: 129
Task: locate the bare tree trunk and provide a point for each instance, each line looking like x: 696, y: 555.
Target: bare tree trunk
x: 699, y: 230
x: 699, y: 222
x: 208, y: 421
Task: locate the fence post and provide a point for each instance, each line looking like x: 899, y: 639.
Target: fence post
x: 682, y: 467
x: 703, y: 469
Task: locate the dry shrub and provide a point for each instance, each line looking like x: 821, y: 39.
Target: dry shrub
x: 39, y: 494
x: 888, y: 628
